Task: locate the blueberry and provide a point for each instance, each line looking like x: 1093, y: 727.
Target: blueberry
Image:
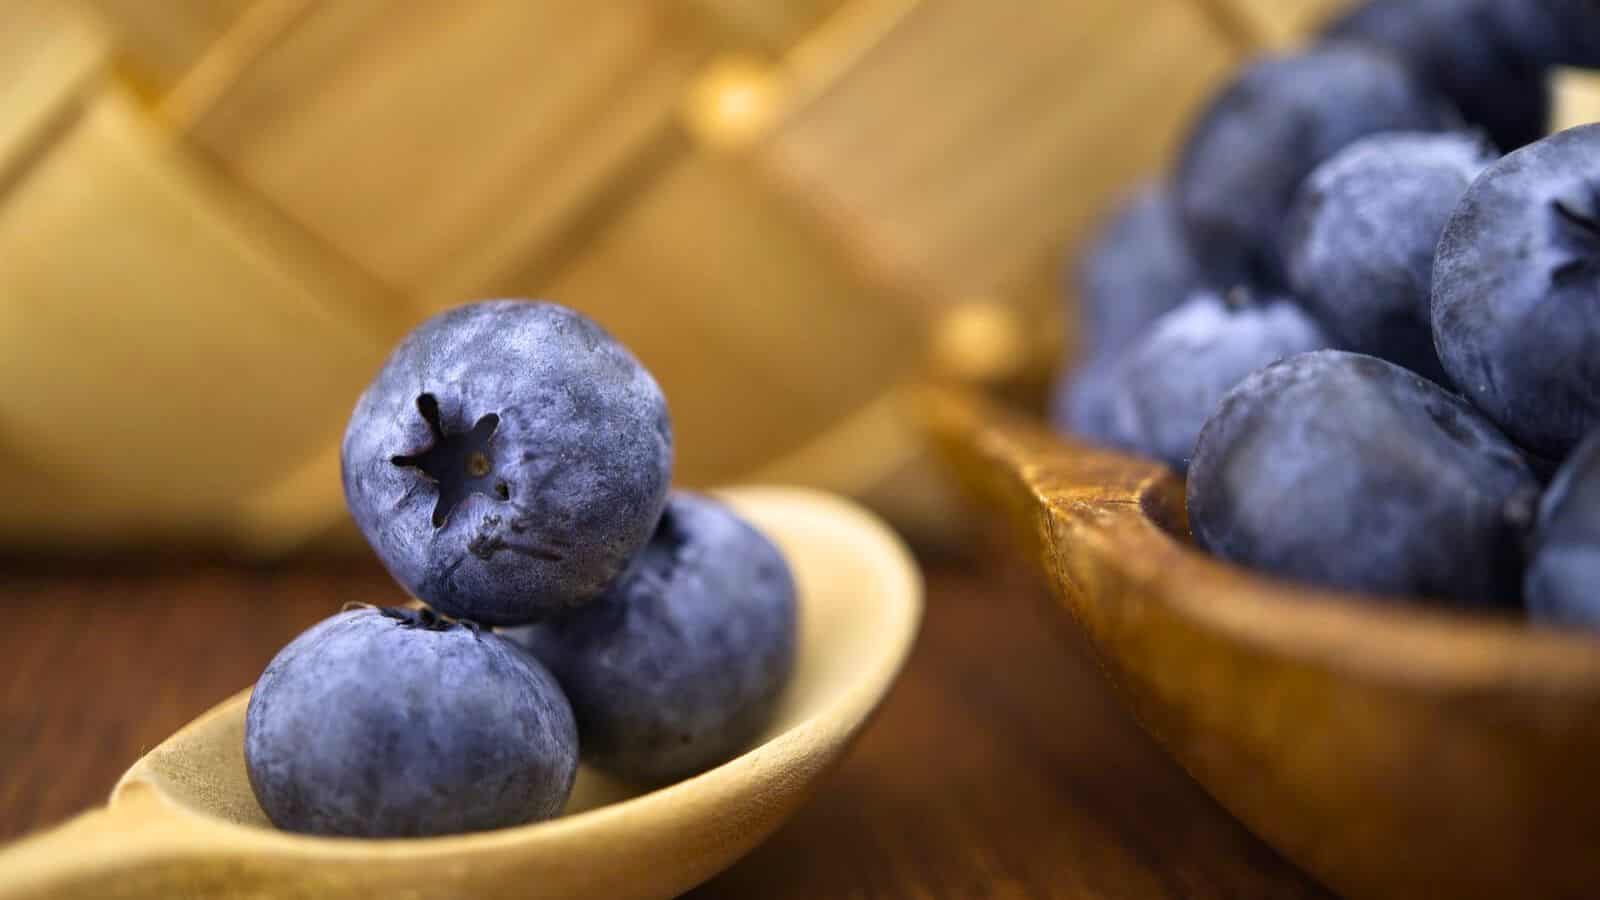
x: 1563, y: 583
x: 1516, y: 292
x: 1566, y: 31
x: 678, y: 666
x: 1362, y: 235
x: 1247, y: 154
x: 1346, y: 471
x: 1473, y: 52
x: 508, y: 460
x: 1082, y: 402
x: 1160, y: 389
x: 395, y: 723
x: 1137, y: 267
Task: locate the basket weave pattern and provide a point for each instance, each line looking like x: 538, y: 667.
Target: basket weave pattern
x: 215, y: 217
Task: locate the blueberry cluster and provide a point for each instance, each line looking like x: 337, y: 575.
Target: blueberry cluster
x: 1366, y: 334
x: 511, y: 465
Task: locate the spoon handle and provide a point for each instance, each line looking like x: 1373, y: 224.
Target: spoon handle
x: 135, y: 849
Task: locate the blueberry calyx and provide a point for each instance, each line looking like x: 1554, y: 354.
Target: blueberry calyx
x: 425, y: 619
x: 1583, y: 231
x: 459, y: 464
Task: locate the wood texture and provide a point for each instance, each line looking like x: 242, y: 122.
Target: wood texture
x: 776, y: 202
x: 976, y: 779
x: 49, y: 57
x: 1396, y: 752
x: 354, y: 122
x: 1278, y: 23
x: 161, y: 41
x: 183, y: 821
x: 122, y: 391
x: 1577, y: 98
x: 780, y: 292
x: 968, y: 199
x: 771, y: 27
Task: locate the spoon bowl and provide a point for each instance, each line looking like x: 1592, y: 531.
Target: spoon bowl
x: 1392, y: 750
x: 182, y: 822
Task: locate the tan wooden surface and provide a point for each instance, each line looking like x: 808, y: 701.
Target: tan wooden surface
x: 120, y: 394
x: 1279, y: 23
x: 161, y: 42
x: 1392, y: 750
x: 183, y: 821
x: 776, y: 203
x: 998, y: 132
x: 1000, y: 765
x: 47, y: 56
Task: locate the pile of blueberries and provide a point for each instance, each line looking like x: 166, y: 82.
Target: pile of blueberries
x: 510, y: 464
x: 1363, y: 314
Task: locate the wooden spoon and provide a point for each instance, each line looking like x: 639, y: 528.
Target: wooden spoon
x: 1393, y: 751
x: 182, y: 822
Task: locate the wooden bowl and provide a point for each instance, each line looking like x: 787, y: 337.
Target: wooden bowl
x: 1394, y: 752
x: 183, y: 822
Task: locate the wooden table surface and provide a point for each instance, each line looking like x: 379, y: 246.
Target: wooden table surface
x: 1000, y: 766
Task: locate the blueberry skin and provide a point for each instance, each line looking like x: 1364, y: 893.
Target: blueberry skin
x: 1249, y: 151
x: 1488, y: 57
x: 553, y: 467
x: 1137, y: 267
x: 1516, y: 292
x: 1161, y: 389
x: 394, y: 723
x: 678, y: 666
x: 1081, y: 404
x: 1570, y: 33
x: 1563, y: 583
x: 1346, y: 471
x: 1362, y: 235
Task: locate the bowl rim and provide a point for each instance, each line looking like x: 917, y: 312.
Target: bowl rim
x: 1121, y: 509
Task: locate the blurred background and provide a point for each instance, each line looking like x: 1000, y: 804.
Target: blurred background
x: 217, y: 215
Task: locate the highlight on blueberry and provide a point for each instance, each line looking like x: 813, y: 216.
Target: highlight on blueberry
x: 396, y: 723
x: 679, y: 665
x: 507, y: 460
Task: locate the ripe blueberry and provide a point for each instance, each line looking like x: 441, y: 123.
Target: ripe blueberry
x: 1347, y: 471
x: 1082, y: 401
x: 1135, y: 269
x: 1563, y: 584
x: 678, y: 666
x: 1157, y: 393
x: 1362, y: 236
x: 1516, y: 292
x: 1485, y: 56
x: 394, y: 723
x: 508, y: 460
x: 1567, y: 32
x: 1247, y: 154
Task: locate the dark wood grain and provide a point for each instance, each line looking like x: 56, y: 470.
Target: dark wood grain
x: 999, y: 767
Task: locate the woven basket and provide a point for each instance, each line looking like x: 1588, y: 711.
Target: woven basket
x: 216, y: 216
